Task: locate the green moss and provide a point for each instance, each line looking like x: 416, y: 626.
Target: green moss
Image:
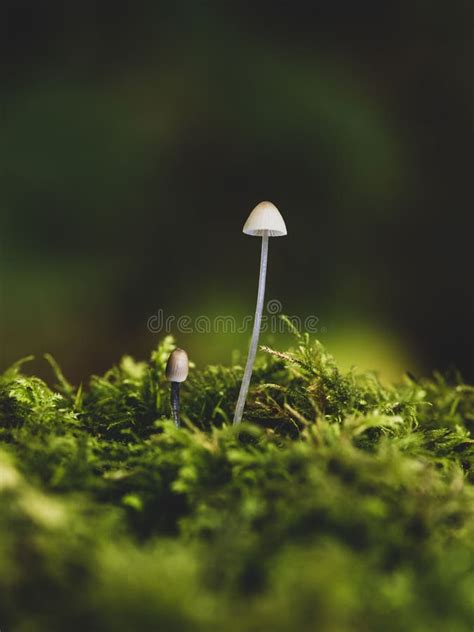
x: 340, y: 504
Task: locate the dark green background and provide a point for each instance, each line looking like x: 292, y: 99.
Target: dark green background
x: 136, y: 137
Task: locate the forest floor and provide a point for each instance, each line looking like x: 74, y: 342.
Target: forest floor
x: 339, y: 505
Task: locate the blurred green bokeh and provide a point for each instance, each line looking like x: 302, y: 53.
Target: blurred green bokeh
x: 137, y: 137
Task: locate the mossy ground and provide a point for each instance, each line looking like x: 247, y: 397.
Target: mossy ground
x: 339, y: 505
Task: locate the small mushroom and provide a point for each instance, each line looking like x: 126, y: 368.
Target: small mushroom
x: 177, y: 369
x: 264, y: 221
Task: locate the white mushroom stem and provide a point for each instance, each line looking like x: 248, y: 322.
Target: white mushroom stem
x: 239, y: 409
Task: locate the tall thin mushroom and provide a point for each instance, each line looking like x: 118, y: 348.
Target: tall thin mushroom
x: 264, y: 221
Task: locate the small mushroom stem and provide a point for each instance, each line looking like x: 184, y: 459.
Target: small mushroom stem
x: 244, y: 387
x: 174, y: 400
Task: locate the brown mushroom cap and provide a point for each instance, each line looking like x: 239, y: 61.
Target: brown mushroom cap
x: 177, y: 367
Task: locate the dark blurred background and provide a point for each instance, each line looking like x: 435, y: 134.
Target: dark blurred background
x: 137, y: 136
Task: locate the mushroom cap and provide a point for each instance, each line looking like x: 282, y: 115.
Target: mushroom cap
x: 177, y: 367
x: 265, y: 217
